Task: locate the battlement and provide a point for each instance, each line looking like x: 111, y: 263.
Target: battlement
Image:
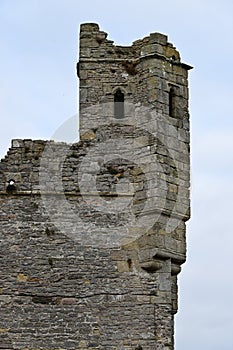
x: 94, y: 44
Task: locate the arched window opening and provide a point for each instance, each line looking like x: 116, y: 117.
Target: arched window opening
x: 119, y: 108
x: 172, y: 102
x: 11, y: 186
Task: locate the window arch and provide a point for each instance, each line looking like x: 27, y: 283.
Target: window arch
x: 119, y: 108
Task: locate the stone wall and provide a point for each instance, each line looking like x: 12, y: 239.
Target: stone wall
x: 93, y: 234
x: 145, y: 72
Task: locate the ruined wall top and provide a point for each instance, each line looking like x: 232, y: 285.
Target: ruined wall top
x: 97, y: 46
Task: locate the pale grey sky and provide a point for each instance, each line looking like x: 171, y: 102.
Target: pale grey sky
x: 38, y: 92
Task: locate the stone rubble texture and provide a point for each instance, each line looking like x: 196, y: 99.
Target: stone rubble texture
x: 77, y: 276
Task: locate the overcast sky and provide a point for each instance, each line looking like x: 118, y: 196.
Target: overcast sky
x: 38, y: 92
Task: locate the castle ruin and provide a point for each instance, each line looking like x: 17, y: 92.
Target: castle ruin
x: 93, y: 233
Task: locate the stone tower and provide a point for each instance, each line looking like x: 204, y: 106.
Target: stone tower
x: 93, y: 234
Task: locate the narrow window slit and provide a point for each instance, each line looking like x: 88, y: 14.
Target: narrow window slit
x: 119, y: 108
x: 172, y: 102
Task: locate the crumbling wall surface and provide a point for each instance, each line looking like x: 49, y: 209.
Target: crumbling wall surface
x: 63, y: 285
